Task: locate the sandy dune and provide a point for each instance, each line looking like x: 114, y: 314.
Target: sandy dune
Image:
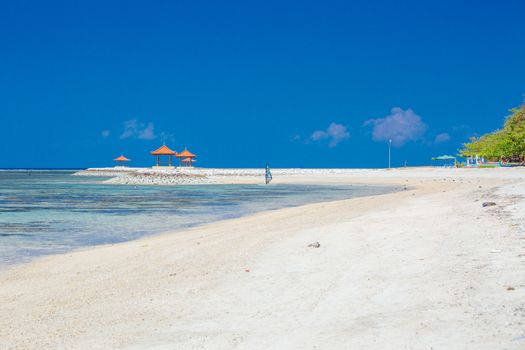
x: 425, y: 268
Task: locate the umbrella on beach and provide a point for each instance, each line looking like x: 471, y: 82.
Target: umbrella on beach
x: 447, y: 158
x: 444, y: 157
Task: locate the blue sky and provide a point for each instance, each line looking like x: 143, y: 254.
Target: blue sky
x: 295, y: 84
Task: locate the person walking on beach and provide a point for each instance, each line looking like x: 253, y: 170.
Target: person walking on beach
x: 268, y: 174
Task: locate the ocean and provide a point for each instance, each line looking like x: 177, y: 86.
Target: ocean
x: 50, y: 211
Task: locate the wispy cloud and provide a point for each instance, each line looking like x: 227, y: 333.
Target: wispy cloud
x: 296, y: 137
x: 133, y: 128
x: 165, y: 137
x: 130, y: 128
x: 400, y: 126
x: 148, y: 133
x: 335, y: 133
x: 105, y: 133
x: 441, y: 138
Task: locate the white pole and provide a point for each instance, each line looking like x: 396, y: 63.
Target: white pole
x: 389, y: 153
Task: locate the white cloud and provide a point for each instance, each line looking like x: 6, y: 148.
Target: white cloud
x: 443, y: 137
x: 105, y: 133
x: 148, y: 133
x: 134, y: 128
x: 319, y: 135
x: 335, y: 133
x: 130, y: 128
x: 400, y: 126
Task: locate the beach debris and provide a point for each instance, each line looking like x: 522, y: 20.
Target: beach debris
x: 510, y: 288
x: 488, y: 204
x: 247, y: 270
x: 173, y: 274
x: 314, y: 245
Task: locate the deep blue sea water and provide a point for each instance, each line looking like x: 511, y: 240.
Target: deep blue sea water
x: 47, y: 212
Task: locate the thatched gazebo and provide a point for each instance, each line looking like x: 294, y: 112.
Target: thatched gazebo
x: 121, y: 160
x: 186, y: 157
x: 164, y: 151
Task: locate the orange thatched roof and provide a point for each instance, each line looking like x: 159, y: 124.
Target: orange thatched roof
x: 163, y: 151
x: 122, y: 159
x: 186, y: 153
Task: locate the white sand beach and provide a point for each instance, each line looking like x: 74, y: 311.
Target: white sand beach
x: 427, y: 267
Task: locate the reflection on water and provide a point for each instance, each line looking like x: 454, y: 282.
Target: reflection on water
x: 45, y: 212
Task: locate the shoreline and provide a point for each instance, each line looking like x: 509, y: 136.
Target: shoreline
x: 198, y: 176
x: 226, y: 215
x: 402, y: 269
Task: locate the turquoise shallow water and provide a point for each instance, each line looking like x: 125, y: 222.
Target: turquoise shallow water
x: 48, y: 212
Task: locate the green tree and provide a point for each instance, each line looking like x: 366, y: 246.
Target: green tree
x: 507, y: 143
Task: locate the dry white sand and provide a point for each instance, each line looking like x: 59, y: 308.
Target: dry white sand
x: 425, y: 268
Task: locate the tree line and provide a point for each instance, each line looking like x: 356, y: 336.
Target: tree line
x: 506, y: 144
